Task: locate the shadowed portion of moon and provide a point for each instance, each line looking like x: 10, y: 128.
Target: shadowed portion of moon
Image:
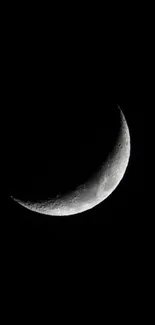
x: 100, y: 156
x: 49, y: 154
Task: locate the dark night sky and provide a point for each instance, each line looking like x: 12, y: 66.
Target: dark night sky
x: 61, y: 83
x: 73, y: 99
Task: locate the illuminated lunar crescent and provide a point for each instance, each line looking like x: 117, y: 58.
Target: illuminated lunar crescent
x: 97, y: 188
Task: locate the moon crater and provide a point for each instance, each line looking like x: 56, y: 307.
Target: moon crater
x: 57, y: 176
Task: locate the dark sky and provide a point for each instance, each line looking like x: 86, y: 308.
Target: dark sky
x: 49, y: 109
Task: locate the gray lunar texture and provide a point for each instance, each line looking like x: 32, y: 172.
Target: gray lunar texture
x: 97, y: 188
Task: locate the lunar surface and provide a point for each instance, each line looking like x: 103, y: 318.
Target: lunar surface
x: 97, y: 188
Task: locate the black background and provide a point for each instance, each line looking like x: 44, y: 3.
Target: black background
x: 47, y: 62
x: 53, y: 94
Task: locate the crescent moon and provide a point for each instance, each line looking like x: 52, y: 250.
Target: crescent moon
x: 97, y: 188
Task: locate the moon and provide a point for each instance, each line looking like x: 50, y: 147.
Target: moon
x: 97, y: 188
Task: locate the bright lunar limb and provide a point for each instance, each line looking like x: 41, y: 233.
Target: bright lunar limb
x: 96, y: 189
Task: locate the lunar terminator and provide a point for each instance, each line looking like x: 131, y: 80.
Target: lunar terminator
x: 97, y: 188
